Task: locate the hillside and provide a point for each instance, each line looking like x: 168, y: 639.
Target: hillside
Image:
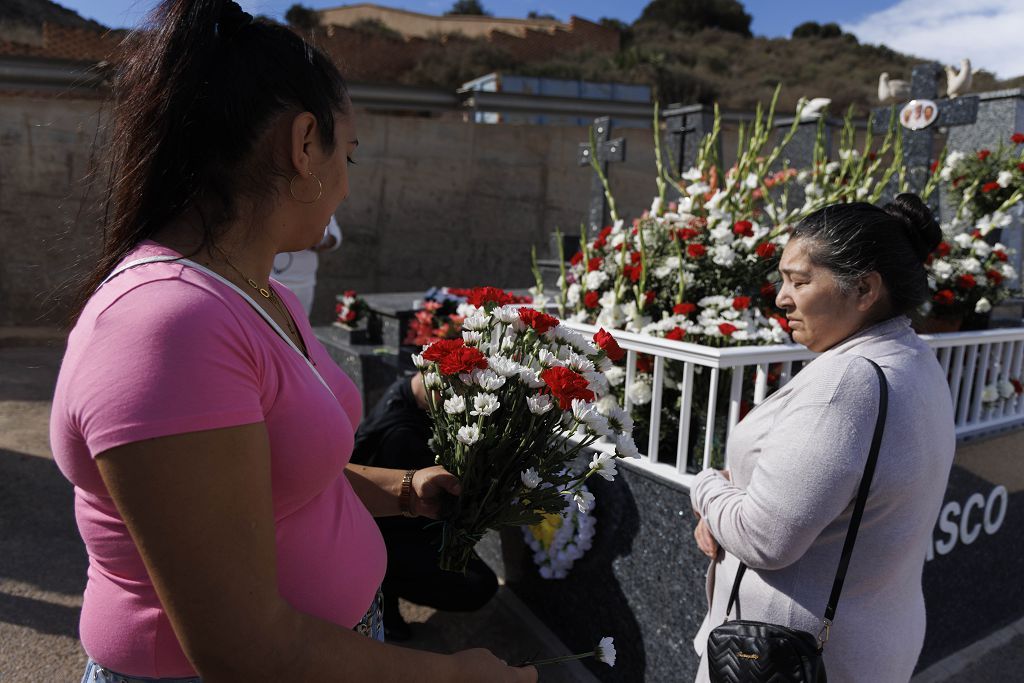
x: 704, y: 66
x: 35, y: 12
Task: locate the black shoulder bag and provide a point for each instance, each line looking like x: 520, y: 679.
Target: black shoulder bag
x: 755, y: 652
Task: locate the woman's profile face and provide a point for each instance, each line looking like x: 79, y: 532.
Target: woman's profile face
x: 820, y: 315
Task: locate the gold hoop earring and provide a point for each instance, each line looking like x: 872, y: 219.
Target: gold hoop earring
x: 319, y: 189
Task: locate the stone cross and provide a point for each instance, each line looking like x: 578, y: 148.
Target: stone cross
x: 608, y: 150
x: 686, y: 127
x: 918, y: 145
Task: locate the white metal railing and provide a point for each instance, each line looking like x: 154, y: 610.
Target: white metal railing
x: 972, y: 361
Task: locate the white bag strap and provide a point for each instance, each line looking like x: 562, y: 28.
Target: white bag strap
x: 202, y: 269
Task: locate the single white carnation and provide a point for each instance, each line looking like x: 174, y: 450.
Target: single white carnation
x: 469, y: 435
x: 640, y: 393
x: 615, y: 375
x: 983, y: 306
x: 485, y: 404
x: 455, y: 405
x: 539, y: 403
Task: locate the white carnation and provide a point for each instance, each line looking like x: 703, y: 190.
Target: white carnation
x: 1004, y: 178
x: 640, y: 393
x: 455, y: 405
x: 539, y: 403
x: 983, y: 306
x: 595, y: 279
x: 485, y: 404
x: 615, y: 375
x: 469, y: 435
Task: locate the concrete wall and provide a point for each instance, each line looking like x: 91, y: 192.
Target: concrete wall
x: 433, y: 202
x: 47, y: 232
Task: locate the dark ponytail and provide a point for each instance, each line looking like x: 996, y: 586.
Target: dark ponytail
x: 195, y: 93
x: 855, y: 239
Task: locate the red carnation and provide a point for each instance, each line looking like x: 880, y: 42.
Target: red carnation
x: 337, y: 307
x: 577, y: 258
x: 995, y: 277
x: 990, y: 187
x: 483, y: 295
x: 636, y: 257
x: 943, y: 249
x: 602, y: 238
x: 783, y: 323
x: 676, y: 334
x: 944, y: 297
x: 966, y: 281
x: 688, y: 234
x: 765, y: 249
x: 349, y: 317
x: 695, y: 250
x: 744, y: 228
x: 611, y: 347
x: 1000, y: 255
x: 649, y: 296
x: 542, y: 322
x: 684, y: 308
x: 984, y: 154
x: 768, y: 290
x: 442, y: 348
x: 591, y: 299
x: 633, y: 272
x: 1017, y: 138
x: 350, y: 293
x: 462, y: 359
x: 727, y: 329
x: 1017, y: 386
x: 594, y: 264
x: 976, y: 234
x: 565, y: 385
x: 1020, y: 167
x: 741, y: 303
x: 935, y: 166
x: 644, y: 363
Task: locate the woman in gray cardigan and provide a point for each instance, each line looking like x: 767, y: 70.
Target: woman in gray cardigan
x: 849, y: 274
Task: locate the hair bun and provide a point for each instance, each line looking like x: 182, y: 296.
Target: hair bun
x: 918, y: 223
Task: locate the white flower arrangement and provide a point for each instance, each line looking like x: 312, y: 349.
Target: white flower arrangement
x: 504, y: 399
x: 560, y: 539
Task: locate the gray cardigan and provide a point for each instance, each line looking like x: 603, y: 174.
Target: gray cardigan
x: 796, y: 461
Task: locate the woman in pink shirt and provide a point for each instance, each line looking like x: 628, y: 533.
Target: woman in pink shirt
x: 206, y: 431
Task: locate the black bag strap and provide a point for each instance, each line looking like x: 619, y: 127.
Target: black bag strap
x: 858, y: 512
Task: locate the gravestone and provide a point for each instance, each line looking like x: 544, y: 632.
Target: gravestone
x: 607, y: 150
x: 686, y: 127
x: 919, y: 125
x: 799, y: 153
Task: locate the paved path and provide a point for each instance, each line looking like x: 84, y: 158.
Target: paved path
x: 43, y: 561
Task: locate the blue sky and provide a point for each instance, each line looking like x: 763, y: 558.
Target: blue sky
x: 986, y: 31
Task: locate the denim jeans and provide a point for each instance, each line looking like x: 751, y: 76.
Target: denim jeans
x: 94, y: 673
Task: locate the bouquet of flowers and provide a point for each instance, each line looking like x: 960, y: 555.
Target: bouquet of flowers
x: 968, y: 276
x: 560, y: 539
x: 350, y: 309
x: 985, y: 183
x: 515, y: 401
x: 440, y: 314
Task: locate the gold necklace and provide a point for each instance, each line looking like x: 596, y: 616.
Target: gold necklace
x: 270, y: 295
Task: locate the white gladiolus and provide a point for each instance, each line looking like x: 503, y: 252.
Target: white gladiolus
x: 692, y: 175
x: 983, y: 306
x: 455, y: 405
x: 595, y: 279
x: 572, y: 294
x: 469, y: 435
x: 752, y: 181
x: 963, y: 240
x: 539, y: 403
x: 831, y: 167
x: 604, y: 465
x: 656, y: 206
x: 607, y: 299
x: 485, y: 404
x: 530, y: 478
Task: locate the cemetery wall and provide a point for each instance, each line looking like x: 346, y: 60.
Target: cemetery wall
x: 432, y: 202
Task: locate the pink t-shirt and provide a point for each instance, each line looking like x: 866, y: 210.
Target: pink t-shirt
x: 165, y: 349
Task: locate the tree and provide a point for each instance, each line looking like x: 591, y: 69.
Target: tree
x: 812, y: 29
x: 534, y: 14
x: 472, y: 7
x: 302, y: 17
x: 693, y: 15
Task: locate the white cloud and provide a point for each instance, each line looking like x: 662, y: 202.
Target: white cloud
x: 988, y: 32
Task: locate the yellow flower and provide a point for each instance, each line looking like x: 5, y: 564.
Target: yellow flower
x: 544, y: 531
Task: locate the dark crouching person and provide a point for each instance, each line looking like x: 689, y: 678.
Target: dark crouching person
x: 395, y: 435
x: 850, y: 273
